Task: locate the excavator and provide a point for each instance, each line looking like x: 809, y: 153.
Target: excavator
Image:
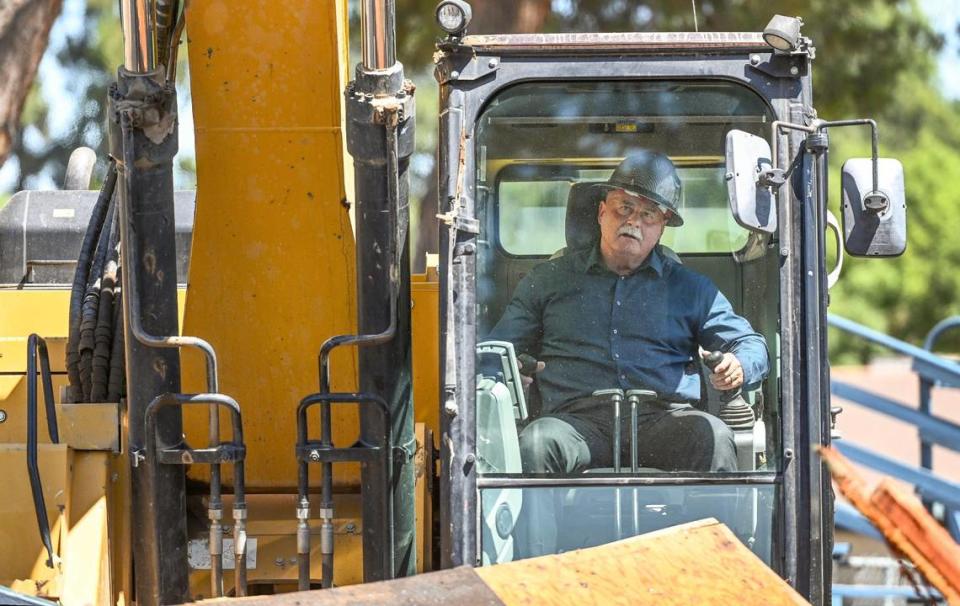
x: 246, y: 392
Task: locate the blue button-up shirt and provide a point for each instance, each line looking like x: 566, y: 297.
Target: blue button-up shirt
x: 595, y: 329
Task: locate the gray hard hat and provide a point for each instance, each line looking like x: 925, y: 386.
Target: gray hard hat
x: 651, y: 175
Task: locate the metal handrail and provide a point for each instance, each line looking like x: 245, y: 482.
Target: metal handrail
x: 37, y: 349
x: 933, y: 429
x: 930, y: 369
x: 936, y: 367
x: 937, y: 331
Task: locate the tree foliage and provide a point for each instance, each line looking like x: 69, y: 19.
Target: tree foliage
x: 88, y: 58
x: 863, y: 47
x: 874, y: 58
x: 908, y: 295
x: 24, y: 28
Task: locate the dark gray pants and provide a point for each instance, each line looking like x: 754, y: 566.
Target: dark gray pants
x: 674, y: 437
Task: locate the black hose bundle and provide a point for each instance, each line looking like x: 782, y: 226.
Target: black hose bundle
x: 80, y: 278
x: 116, y: 383
x: 104, y: 333
x: 91, y: 303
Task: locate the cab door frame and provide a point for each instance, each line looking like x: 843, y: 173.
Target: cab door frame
x: 470, y: 74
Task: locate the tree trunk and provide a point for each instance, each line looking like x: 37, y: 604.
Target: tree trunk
x: 24, y: 30
x: 490, y: 17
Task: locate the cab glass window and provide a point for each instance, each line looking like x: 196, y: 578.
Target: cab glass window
x: 590, y: 370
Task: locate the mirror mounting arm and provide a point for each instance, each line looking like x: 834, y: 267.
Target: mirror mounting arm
x: 875, y: 200
x: 773, y: 177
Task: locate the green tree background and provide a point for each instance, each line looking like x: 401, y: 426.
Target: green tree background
x: 874, y: 58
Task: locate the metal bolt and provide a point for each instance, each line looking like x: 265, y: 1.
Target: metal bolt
x: 279, y: 562
x: 788, y: 453
x: 784, y: 251
x: 454, y: 75
x: 292, y: 561
x: 3, y: 416
x: 471, y: 458
x: 350, y: 527
x: 754, y: 59
x: 794, y: 70
x: 314, y: 456
x: 492, y: 63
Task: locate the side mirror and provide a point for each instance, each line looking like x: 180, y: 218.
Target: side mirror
x: 874, y: 221
x: 752, y: 204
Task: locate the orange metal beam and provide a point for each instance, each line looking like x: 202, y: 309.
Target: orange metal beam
x: 904, y: 522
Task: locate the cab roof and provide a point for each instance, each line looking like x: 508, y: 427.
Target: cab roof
x: 619, y: 43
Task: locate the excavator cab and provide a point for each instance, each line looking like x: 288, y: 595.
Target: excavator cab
x: 545, y: 144
x: 528, y: 124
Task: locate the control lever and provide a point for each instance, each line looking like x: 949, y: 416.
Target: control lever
x: 634, y: 398
x: 615, y: 396
x: 735, y: 411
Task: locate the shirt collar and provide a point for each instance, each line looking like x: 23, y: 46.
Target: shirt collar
x: 594, y: 259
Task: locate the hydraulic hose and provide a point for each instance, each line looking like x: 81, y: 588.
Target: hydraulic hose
x: 116, y: 383
x: 77, y: 291
x: 103, y: 334
x: 91, y: 303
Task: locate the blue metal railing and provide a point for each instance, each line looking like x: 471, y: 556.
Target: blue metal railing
x: 932, y: 370
x: 876, y: 592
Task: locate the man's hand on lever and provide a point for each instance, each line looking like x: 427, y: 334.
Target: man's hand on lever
x: 528, y: 367
x: 726, y: 375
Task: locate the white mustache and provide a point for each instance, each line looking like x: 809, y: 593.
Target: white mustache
x: 633, y: 232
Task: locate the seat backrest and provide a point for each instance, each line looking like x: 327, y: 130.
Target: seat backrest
x: 581, y: 228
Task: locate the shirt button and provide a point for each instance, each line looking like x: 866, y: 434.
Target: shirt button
x: 623, y: 277
x: 614, y: 331
x: 616, y: 355
x: 619, y: 303
x: 623, y: 377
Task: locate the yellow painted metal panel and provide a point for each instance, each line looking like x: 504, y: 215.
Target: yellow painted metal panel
x: 90, y: 426
x: 86, y: 559
x: 13, y: 353
x: 13, y: 402
x: 23, y: 555
x: 23, y: 312
x: 272, y: 263
x: 425, y: 322
x: 41, y: 311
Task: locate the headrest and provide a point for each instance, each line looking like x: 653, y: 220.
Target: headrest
x: 582, y: 229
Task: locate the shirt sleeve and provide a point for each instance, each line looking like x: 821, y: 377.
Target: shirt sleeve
x: 522, y: 323
x: 722, y: 329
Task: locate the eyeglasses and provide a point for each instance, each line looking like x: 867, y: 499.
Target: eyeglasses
x: 649, y: 215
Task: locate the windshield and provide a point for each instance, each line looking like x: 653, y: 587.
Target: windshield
x: 610, y: 268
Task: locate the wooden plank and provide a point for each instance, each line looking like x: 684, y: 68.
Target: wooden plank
x: 698, y: 563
